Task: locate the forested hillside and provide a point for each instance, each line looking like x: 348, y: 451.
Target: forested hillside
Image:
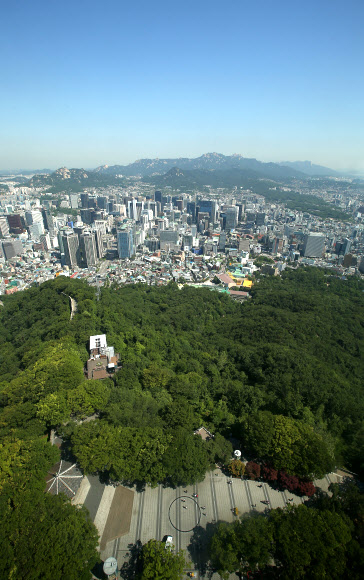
x: 283, y: 372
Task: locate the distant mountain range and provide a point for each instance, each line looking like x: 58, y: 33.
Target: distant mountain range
x: 310, y: 168
x: 209, y: 161
x: 212, y: 169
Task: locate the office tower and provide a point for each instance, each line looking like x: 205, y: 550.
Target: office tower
x: 74, y: 201
x: 240, y: 207
x: 100, y: 225
x: 152, y: 205
x: 260, y: 219
x: 87, y: 216
x: 48, y: 221
x: 62, y: 232
x: 87, y: 250
x: 187, y: 241
x: 191, y: 209
x: 208, y: 206
x: 70, y: 245
x: 4, y: 226
x: 79, y: 229
x: 139, y: 209
x: 314, y: 245
x: 102, y: 202
x: 33, y: 217
x: 152, y: 244
x: 125, y: 244
x: 277, y: 246
x: 345, y: 247
x: 230, y: 218
x: 251, y: 216
x: 132, y: 209
x: 36, y: 230
x: 28, y: 218
x: 12, y: 248
x: 158, y: 196
x: 92, y: 202
x: 168, y: 239
x: 84, y: 200
x: 222, y: 241
x: 45, y: 240
x: 16, y: 223
x: 99, y: 240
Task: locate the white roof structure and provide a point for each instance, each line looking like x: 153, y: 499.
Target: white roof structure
x: 98, y: 341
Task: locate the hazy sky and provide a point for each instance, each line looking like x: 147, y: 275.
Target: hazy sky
x: 85, y: 83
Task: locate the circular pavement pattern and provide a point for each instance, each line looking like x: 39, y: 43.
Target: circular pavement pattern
x: 183, y: 511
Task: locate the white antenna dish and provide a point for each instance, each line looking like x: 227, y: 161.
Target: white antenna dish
x: 237, y: 454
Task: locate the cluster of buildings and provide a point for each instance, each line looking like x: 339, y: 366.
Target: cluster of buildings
x: 142, y: 235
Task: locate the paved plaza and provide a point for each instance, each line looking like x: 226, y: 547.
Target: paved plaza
x: 189, y: 514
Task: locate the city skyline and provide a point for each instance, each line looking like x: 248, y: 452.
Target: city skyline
x: 271, y: 81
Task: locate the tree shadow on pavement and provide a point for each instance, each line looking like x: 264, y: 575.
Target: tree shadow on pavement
x: 198, y: 549
x: 132, y: 567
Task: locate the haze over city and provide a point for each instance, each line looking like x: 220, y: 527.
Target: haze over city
x: 87, y: 84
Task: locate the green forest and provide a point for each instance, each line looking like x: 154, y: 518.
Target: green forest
x: 281, y: 372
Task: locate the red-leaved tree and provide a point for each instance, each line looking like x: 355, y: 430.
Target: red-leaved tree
x: 306, y: 488
x: 269, y: 473
x: 252, y: 470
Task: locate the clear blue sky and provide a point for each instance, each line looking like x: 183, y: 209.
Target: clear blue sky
x: 91, y: 83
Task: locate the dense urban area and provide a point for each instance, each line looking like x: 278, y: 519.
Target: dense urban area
x: 133, y: 232
x: 181, y: 373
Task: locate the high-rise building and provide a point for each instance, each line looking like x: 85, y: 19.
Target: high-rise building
x: 158, y: 196
x: 99, y: 240
x: 260, y: 219
x: 84, y: 200
x: 168, y: 239
x: 125, y: 244
x: 240, y: 207
x: 277, y: 246
x: 48, y: 221
x: 4, y: 226
x: 208, y: 206
x: 345, y: 247
x: 191, y: 209
x: 102, y: 202
x: 16, y: 223
x: 132, y: 209
x: 100, y: 225
x: 222, y: 241
x: 12, y: 248
x: 36, y: 230
x: 313, y: 245
x: 230, y: 217
x: 33, y: 216
x: 70, y: 245
x: 45, y: 240
x: 74, y: 200
x: 87, y: 216
x: 87, y: 250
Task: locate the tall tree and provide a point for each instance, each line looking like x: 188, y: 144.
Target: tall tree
x: 161, y: 563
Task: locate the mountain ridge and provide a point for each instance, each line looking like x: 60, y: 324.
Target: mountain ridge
x: 149, y: 167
